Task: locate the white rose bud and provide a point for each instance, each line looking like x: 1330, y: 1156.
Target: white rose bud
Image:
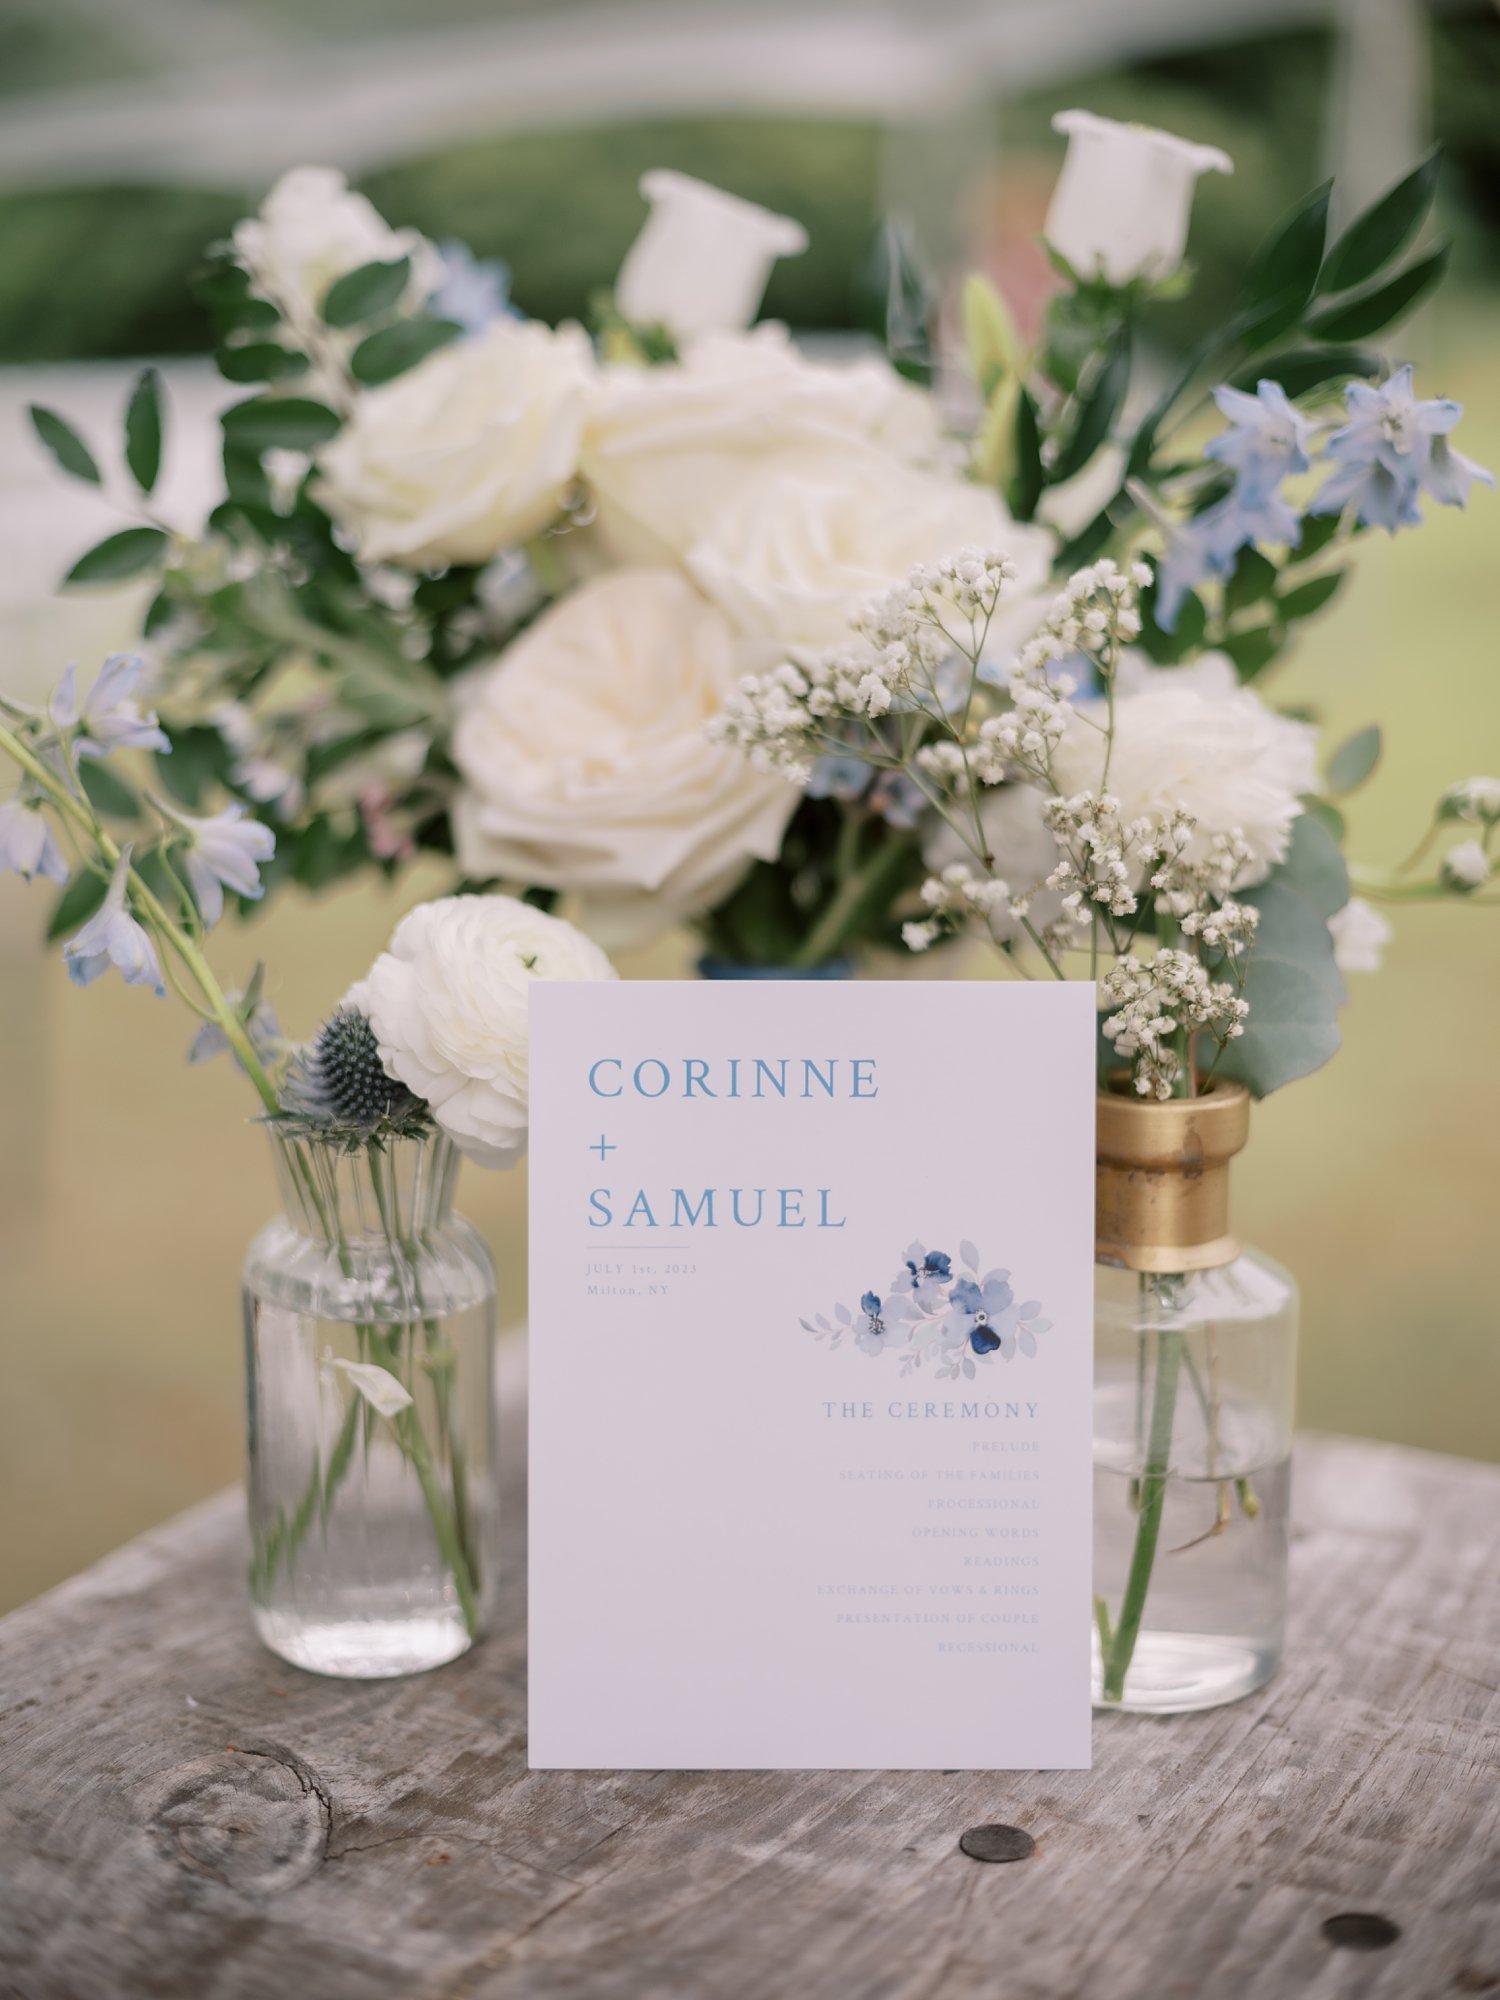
x: 466, y: 454
x: 449, y: 1005
x: 701, y: 262
x: 1122, y: 201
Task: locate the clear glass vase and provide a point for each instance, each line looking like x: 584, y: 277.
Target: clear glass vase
x: 369, y: 1347
x: 1194, y: 1376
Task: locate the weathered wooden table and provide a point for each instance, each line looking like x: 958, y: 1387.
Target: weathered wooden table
x: 183, y: 1817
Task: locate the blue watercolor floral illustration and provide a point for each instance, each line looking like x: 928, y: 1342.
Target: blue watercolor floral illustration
x: 950, y: 1316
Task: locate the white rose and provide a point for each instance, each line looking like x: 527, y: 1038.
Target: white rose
x: 1219, y: 752
x: 311, y: 230
x: 701, y: 263
x: 1122, y: 201
x: 666, y: 447
x: 791, y: 556
x: 467, y: 453
x: 448, y: 1003
x: 587, y: 767
x: 1360, y: 935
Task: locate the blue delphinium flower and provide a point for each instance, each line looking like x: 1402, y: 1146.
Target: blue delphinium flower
x: 109, y: 718
x: 896, y: 797
x: 924, y: 1275
x: 225, y: 851
x: 473, y: 291
x: 980, y: 1314
x: 1266, y: 439
x: 1391, y: 451
x: 113, y: 937
x: 27, y: 844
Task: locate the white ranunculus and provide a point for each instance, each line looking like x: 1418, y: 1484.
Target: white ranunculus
x: 587, y: 767
x: 466, y: 454
x: 448, y: 1003
x: 1219, y: 753
x: 666, y: 447
x: 312, y: 229
x: 1360, y: 936
x: 701, y: 262
x: 791, y: 556
x: 1121, y: 205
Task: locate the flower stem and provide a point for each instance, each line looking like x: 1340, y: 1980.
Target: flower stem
x: 162, y: 922
x: 1154, y: 1479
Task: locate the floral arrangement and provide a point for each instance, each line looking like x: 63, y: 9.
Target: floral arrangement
x: 930, y: 1309
x: 431, y: 1044
x: 577, y: 610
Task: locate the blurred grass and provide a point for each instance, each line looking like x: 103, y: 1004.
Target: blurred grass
x: 129, y: 1186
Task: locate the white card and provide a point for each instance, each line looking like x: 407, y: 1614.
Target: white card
x: 811, y: 1341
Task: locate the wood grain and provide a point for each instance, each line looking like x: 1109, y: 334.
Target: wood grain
x: 183, y: 1817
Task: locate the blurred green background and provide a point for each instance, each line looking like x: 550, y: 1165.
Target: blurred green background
x: 129, y: 1186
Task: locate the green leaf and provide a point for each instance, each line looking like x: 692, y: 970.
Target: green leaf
x: 1253, y: 651
x: 64, y: 443
x: 1304, y: 368
x: 199, y: 759
x: 75, y: 905
x: 1284, y: 271
x: 159, y: 613
x: 1167, y: 648
x: 1383, y: 230
x: 107, y: 791
x: 119, y: 556
x: 1328, y: 815
x: 1373, y: 311
x: 294, y: 423
x: 384, y: 355
x: 365, y: 293
x: 143, y: 429
x: 245, y: 478
x: 260, y: 361
x: 1318, y: 530
x: 1354, y: 761
x: 1254, y: 578
x: 323, y: 854
x: 1308, y: 597
x: 1029, y: 479
x: 1099, y: 411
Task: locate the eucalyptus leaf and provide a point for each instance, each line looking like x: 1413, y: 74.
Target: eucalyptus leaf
x: 64, y: 443
x: 1293, y: 985
x: 119, y: 556
x: 1253, y: 651
x: 365, y: 293
x: 1354, y: 761
x: 1315, y: 867
x: 1375, y: 310
x: 293, y: 423
x: 1383, y: 230
x: 391, y: 352
x: 143, y: 427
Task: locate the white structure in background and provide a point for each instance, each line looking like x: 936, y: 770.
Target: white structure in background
x: 233, y: 101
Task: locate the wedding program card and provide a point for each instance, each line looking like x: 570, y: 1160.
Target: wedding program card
x: 811, y: 1312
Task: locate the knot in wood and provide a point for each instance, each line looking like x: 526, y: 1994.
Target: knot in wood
x: 256, y: 1821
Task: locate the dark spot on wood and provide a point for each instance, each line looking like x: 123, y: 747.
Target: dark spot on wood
x: 1360, y: 1930
x: 1474, y: 1979
x: 997, y: 1843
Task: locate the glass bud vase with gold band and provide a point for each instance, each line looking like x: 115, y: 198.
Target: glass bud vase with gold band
x: 369, y: 1349
x: 1195, y: 1348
